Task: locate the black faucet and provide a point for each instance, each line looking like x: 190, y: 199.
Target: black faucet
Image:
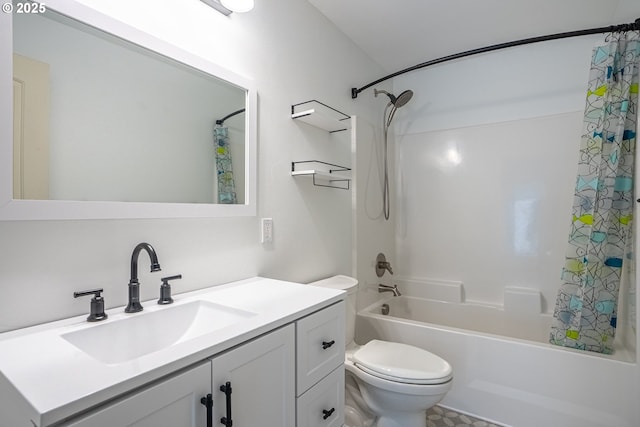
x: 134, y: 286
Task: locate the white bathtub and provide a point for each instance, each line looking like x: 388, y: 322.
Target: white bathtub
x: 505, y: 371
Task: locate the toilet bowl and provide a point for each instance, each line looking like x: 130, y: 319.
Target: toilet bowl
x: 398, y: 382
x: 387, y: 384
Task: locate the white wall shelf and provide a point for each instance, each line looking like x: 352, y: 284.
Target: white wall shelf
x: 321, y: 116
x: 323, y: 174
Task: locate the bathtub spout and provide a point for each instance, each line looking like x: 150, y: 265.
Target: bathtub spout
x: 389, y: 288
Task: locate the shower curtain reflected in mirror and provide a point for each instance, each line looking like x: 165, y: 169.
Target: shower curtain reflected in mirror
x: 224, y: 166
x: 599, y: 247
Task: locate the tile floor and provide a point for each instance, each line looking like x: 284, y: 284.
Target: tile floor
x: 443, y: 417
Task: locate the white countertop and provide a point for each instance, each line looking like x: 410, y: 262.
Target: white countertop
x: 54, y: 380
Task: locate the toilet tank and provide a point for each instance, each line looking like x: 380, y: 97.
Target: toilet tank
x: 350, y: 285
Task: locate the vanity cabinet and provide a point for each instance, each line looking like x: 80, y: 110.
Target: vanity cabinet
x: 291, y: 377
x: 265, y: 388
x: 259, y: 374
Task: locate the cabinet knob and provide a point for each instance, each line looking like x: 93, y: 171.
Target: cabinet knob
x: 327, y: 344
x: 326, y: 414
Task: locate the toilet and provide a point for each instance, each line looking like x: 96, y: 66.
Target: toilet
x: 388, y: 384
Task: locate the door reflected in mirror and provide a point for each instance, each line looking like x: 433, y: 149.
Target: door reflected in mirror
x: 97, y: 118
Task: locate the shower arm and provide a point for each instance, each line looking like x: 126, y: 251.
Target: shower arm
x: 635, y: 26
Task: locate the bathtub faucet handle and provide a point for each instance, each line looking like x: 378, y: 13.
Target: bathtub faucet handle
x: 386, y: 266
x: 382, y: 265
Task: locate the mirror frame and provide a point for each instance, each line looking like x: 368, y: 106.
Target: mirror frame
x: 16, y: 209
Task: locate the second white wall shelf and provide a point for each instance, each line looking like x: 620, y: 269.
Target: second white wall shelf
x: 323, y: 174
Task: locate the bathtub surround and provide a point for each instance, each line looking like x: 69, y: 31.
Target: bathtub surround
x: 522, y: 301
x: 490, y: 235
x: 479, y: 318
x: 600, y: 237
x: 437, y: 290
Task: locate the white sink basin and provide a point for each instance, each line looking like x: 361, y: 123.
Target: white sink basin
x: 125, y: 339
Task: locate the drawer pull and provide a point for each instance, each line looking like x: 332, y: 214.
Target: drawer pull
x: 327, y: 414
x: 327, y: 344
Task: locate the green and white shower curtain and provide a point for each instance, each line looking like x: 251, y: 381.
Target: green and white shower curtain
x: 224, y: 166
x: 599, y: 246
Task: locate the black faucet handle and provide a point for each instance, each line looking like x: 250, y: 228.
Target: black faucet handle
x: 165, y: 289
x: 177, y: 276
x: 95, y: 292
x: 97, y: 304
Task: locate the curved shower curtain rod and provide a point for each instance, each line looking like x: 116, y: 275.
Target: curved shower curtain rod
x: 635, y: 26
x: 221, y: 121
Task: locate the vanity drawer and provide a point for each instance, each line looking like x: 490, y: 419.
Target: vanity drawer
x: 319, y: 345
x: 323, y: 404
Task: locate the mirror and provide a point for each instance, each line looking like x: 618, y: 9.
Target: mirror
x: 111, y: 123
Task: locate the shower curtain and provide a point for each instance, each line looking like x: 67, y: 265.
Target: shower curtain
x: 599, y: 245
x: 224, y: 166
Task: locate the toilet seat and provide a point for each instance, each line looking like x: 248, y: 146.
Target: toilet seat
x: 402, y: 363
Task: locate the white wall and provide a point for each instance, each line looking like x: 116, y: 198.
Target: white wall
x: 293, y: 54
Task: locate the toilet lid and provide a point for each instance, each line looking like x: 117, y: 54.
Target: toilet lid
x: 402, y: 363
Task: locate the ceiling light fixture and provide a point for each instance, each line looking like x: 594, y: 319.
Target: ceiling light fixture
x: 217, y: 6
x: 238, y: 6
x: 227, y: 7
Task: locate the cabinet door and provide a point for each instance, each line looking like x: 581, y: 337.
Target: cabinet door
x: 174, y: 402
x: 261, y: 374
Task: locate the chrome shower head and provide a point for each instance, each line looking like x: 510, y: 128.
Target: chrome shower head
x: 398, y: 101
x: 403, y: 98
